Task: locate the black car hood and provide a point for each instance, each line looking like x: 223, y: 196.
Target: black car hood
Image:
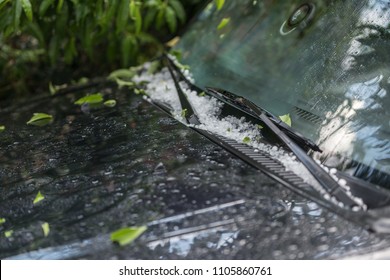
x: 132, y: 165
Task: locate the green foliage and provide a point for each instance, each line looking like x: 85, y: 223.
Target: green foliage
x: 90, y: 99
x: 184, y: 113
x: 110, y: 103
x: 126, y: 236
x: 46, y: 229
x: 286, y: 119
x: 39, y: 197
x: 122, y: 74
x: 47, y: 36
x: 63, y: 27
x: 40, y: 119
x: 219, y: 4
x: 223, y: 23
x: 95, y: 99
x: 246, y: 140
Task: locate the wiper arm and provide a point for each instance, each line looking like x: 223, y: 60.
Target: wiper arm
x: 190, y: 113
x: 322, y: 177
x: 237, y: 102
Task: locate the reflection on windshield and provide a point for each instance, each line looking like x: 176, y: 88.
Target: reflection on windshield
x: 324, y: 62
x: 363, y: 117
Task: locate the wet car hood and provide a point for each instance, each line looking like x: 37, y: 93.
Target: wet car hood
x: 103, y: 169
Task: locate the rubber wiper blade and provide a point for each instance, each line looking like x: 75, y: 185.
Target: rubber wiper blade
x: 322, y: 177
x: 237, y: 102
x: 189, y: 111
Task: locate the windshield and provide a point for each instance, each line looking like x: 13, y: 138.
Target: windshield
x: 326, y: 63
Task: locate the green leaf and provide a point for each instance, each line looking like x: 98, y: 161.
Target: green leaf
x: 122, y: 74
x: 160, y: 18
x: 223, y: 23
x: 219, y: 4
x: 26, y: 4
x: 176, y: 53
x: 246, y: 140
x: 179, y: 10
x: 89, y: 38
x: 39, y: 197
x: 17, y: 13
x: 40, y: 119
x: 44, y: 6
x: 8, y: 233
x: 3, y: 3
x: 286, y: 119
x: 127, y: 49
x: 121, y: 83
x: 90, y: 99
x: 110, y: 103
x: 52, y: 89
x: 184, y: 113
x: 2, y: 128
x: 170, y: 18
x: 53, y: 50
x: 173, y: 42
x: 138, y: 20
x: 59, y: 6
x: 149, y: 18
x: 70, y: 50
x: 36, y: 31
x: 126, y: 236
x: 154, y: 66
x: 133, y: 6
x: 81, y: 81
x: 110, y: 13
x: 123, y: 15
x: 202, y: 94
x: 62, y: 22
x: 46, y: 229
x: 2, y: 221
x: 152, y: 3
x: 139, y: 91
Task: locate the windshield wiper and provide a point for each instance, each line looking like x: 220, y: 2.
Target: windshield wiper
x: 323, y: 178
x: 241, y: 104
x: 290, y: 138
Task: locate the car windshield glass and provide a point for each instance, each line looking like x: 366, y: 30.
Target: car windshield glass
x: 326, y: 63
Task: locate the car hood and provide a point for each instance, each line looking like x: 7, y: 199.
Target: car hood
x: 108, y: 168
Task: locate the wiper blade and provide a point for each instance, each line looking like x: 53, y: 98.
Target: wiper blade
x: 190, y: 113
x: 322, y: 177
x: 242, y: 104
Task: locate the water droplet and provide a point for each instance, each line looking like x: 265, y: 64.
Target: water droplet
x: 159, y: 169
x: 301, y: 15
x: 108, y: 171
